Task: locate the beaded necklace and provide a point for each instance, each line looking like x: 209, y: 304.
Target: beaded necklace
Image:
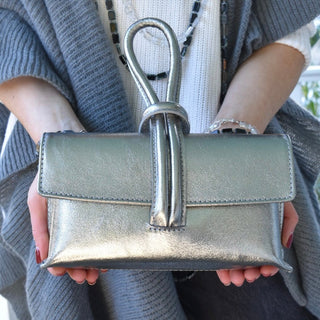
x: 193, y: 21
x: 224, y: 46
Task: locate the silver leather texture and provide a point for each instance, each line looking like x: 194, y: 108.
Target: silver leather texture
x: 166, y: 200
x: 99, y: 188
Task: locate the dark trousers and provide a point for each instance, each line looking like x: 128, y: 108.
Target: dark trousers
x: 204, y: 297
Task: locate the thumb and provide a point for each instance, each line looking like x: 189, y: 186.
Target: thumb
x: 38, y: 215
x: 290, y: 220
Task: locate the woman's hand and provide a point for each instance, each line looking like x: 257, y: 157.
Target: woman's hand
x: 38, y: 213
x: 42, y: 108
x: 250, y: 274
x: 259, y: 88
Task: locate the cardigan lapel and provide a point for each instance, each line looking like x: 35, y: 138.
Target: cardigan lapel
x: 91, y: 65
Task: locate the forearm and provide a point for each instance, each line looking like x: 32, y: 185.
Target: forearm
x: 38, y: 106
x: 262, y: 84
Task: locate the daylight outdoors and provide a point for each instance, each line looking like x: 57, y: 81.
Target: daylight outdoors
x: 307, y: 94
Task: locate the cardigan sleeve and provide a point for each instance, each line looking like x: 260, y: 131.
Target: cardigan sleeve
x: 22, y: 53
x: 280, y: 18
x: 255, y: 24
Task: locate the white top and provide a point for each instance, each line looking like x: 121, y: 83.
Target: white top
x: 199, y: 94
x: 300, y: 40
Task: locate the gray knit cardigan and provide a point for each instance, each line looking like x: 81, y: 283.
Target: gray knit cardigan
x: 63, y: 42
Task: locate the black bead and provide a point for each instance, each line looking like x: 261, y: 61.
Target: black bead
x: 161, y: 75
x: 123, y: 59
x: 111, y: 15
x: 151, y: 77
x: 224, y: 42
x: 223, y: 18
x: 226, y: 130
x: 196, y: 6
x: 188, y: 41
x: 109, y: 4
x: 113, y: 27
x: 183, y: 51
x: 241, y: 131
x: 224, y: 6
x: 115, y: 38
x: 193, y: 17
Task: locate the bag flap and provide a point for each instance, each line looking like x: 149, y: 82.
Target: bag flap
x: 220, y: 169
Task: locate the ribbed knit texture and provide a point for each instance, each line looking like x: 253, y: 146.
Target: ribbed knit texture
x: 302, y: 127
x: 200, y: 95
x: 268, y: 21
x: 118, y: 286
x: 63, y: 42
x: 4, y: 115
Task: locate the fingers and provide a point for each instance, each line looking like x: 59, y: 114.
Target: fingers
x: 78, y: 275
x: 268, y: 271
x: 92, y: 276
x: 57, y: 271
x: 250, y: 274
x: 290, y: 220
x: 82, y: 275
x: 231, y: 276
x: 224, y: 277
x: 237, y: 277
x: 38, y: 215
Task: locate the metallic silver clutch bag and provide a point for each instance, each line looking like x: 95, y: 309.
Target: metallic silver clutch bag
x: 163, y: 199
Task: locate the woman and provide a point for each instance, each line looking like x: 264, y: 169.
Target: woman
x: 64, y: 76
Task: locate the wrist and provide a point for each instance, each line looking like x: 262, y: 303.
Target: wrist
x: 39, y: 106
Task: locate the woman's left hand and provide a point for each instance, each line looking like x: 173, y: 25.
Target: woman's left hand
x: 250, y: 274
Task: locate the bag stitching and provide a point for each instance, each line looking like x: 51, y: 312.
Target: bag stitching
x: 191, y: 202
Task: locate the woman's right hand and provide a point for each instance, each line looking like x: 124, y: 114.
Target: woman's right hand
x: 38, y: 213
x: 40, y: 108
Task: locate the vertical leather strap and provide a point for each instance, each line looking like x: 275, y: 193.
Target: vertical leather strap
x: 166, y: 130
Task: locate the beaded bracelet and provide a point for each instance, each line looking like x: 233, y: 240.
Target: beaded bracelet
x: 242, y: 127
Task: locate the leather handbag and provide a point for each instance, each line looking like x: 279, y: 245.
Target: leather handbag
x: 164, y: 199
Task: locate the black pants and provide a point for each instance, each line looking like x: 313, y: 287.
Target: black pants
x: 204, y: 297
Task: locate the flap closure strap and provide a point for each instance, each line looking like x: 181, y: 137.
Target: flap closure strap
x: 167, y: 123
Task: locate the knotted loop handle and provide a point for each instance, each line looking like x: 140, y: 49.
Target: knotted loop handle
x: 167, y: 122
x: 174, y: 76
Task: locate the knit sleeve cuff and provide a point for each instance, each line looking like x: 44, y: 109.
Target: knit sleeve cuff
x: 280, y: 18
x: 300, y: 40
x: 22, y: 54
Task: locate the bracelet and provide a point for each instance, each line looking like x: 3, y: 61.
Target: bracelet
x: 242, y: 127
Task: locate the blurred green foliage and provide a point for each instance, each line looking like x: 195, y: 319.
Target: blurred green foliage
x: 311, y: 96
x: 316, y: 36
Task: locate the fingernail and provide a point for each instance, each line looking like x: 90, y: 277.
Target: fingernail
x: 38, y: 255
x: 104, y: 270
x: 289, y: 242
x: 81, y: 282
x: 91, y: 283
x: 227, y: 284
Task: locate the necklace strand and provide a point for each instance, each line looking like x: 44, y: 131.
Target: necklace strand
x: 131, y: 12
x: 224, y: 46
x: 193, y: 21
